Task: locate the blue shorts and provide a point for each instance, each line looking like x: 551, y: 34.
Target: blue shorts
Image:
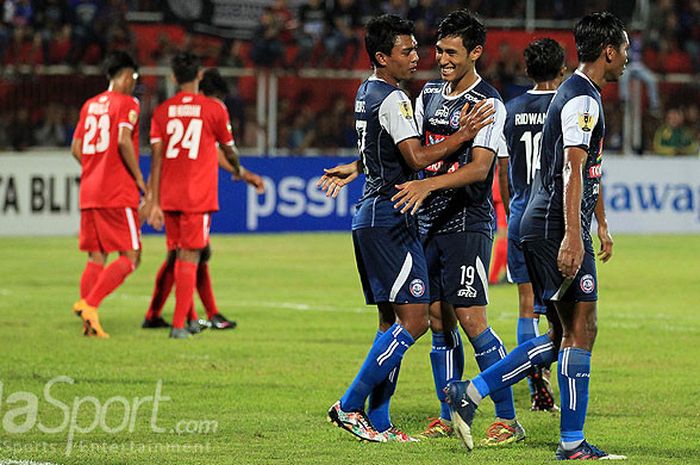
x: 547, y: 281
x: 391, y: 264
x: 458, y: 266
x: 517, y: 272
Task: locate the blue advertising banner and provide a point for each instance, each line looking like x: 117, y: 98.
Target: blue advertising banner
x: 291, y: 201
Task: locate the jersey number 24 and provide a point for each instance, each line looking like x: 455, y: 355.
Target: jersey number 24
x: 187, y: 138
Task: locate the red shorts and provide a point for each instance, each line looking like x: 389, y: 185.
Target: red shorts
x: 187, y: 230
x: 501, y: 219
x: 109, y: 230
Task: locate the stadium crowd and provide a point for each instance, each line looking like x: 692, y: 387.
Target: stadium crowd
x: 314, y: 34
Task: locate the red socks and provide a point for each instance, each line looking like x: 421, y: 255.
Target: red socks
x: 164, y: 284
x: 206, y: 292
x: 185, y: 281
x: 109, y: 280
x: 91, y: 273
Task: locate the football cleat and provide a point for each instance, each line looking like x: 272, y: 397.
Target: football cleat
x: 586, y: 451
x: 462, y: 409
x: 77, y: 307
x: 437, y: 428
x: 502, y: 432
x: 196, y: 326
x: 394, y: 434
x: 91, y: 322
x: 155, y: 323
x: 543, y: 397
x: 219, y: 321
x: 180, y: 333
x: 355, y: 422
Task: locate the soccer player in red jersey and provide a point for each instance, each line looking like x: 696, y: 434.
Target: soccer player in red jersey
x: 184, y: 132
x: 501, y: 197
x: 214, y: 86
x: 105, y: 144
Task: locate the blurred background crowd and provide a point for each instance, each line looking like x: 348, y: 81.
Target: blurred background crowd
x: 315, y: 51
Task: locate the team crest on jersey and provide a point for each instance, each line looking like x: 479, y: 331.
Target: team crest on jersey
x: 417, y: 287
x: 587, y: 283
x: 406, y: 109
x: 133, y: 116
x: 454, y: 119
x: 586, y: 122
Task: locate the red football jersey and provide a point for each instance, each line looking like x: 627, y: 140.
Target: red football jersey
x: 189, y: 126
x: 106, y: 181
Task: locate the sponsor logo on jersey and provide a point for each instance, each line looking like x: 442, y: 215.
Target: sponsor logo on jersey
x: 417, y: 287
x: 432, y: 90
x: 468, y: 292
x: 443, y: 112
x: 454, y: 119
x: 587, y: 283
x: 432, y: 138
x: 586, y: 122
x: 406, y: 109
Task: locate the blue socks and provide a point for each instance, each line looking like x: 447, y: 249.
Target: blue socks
x: 386, y: 353
x: 447, y: 361
x: 380, y: 398
x: 574, y: 376
x: 488, y: 351
x: 516, y: 366
x: 528, y: 329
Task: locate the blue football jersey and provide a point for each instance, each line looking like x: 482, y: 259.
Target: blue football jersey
x: 469, y: 208
x: 383, y: 118
x: 574, y: 119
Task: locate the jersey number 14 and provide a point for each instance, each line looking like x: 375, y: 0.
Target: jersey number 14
x: 532, y: 153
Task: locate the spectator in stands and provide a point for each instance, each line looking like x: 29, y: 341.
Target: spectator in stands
x: 268, y: 48
x: 20, y: 130
x: 86, y: 27
x: 231, y: 54
x: 395, y: 7
x: 690, y: 30
x: 673, y: 137
x: 312, y: 26
x: 343, y: 34
x: 53, y: 131
x: 49, y: 20
x: 636, y: 69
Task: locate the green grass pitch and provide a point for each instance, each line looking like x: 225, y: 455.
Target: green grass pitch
x: 258, y: 395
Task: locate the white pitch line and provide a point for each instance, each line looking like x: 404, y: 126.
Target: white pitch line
x: 24, y: 462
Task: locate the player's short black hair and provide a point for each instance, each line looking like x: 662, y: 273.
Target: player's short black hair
x: 596, y: 31
x: 381, y: 33
x: 465, y: 24
x: 543, y: 59
x: 185, y: 67
x: 212, y: 84
x: 117, y: 61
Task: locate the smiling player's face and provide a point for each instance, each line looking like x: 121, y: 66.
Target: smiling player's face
x: 453, y: 59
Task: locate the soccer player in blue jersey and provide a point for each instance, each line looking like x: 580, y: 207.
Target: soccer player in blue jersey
x: 456, y: 219
x: 388, y: 251
x: 555, y: 234
x: 544, y: 63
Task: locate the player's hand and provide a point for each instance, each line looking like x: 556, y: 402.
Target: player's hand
x: 142, y: 187
x: 570, y: 255
x: 411, y: 195
x: 478, y: 116
x: 144, y: 209
x: 254, y: 180
x: 156, y: 218
x: 334, y: 179
x: 606, y: 243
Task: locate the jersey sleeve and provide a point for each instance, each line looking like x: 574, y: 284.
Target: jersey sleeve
x: 420, y: 112
x: 578, y: 118
x: 128, y: 116
x: 396, y: 117
x: 491, y: 136
x: 221, y: 124
x: 502, y: 147
x: 156, y: 135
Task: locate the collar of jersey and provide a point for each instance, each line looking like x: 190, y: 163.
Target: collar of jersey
x: 541, y: 92
x: 464, y: 92
x: 583, y: 75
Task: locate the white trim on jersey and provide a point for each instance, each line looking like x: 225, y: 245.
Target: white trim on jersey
x: 396, y: 117
x: 541, y: 92
x: 419, y: 113
x: 155, y: 140
x: 133, y: 230
x: 489, y: 136
x: 126, y: 125
x: 402, y: 277
x: 583, y: 75
x: 481, y: 271
x: 502, y: 147
x: 205, y: 227
x: 578, y: 118
x: 445, y: 90
x: 562, y: 289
